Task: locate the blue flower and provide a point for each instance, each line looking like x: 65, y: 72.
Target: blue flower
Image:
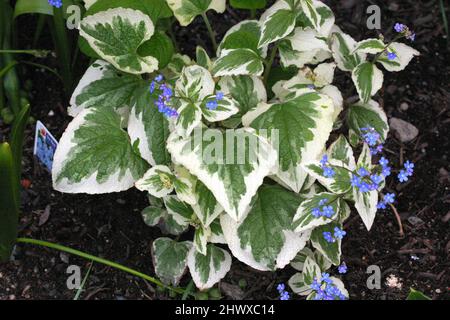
x: 55, y: 3
x: 376, y: 179
x: 403, y: 176
x: 219, y: 95
x: 316, y: 285
x: 383, y: 162
x: 399, y: 27
x: 322, y: 202
x: 391, y: 55
x: 152, y: 87
x: 328, y: 172
x: 281, y: 287
x: 342, y: 268
x: 363, y: 172
x: 364, y: 187
x: 328, y: 211
x: 356, y: 181
x: 339, y: 234
x: 316, y: 212
x: 411, y: 36
x: 285, y: 296
x: 212, y: 105
x: 389, y: 198
x: 328, y: 237
x: 159, y: 78
x: 381, y: 205
x: 386, y: 171
x: 324, y: 160
x: 409, y: 166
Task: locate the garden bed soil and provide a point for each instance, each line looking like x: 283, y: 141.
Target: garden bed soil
x: 111, y: 226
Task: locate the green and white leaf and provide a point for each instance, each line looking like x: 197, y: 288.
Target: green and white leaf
x: 366, y: 115
x: 158, y: 181
x: 338, y: 101
x: 116, y: 34
x: 303, y: 125
x: 342, y: 47
x: 246, y: 91
x: 404, y: 56
x: 298, y: 262
x: 102, y: 86
x: 331, y: 251
x: 170, y: 259
x: 233, y: 179
x: 195, y: 83
x: 216, y: 232
x: 207, y: 270
x: 203, y: 58
x: 152, y: 216
x: 181, y: 212
x: 201, y: 237
x: 244, y: 35
x: 278, y: 23
x: 326, y: 18
x: 189, y: 118
x: 304, y: 220
x: 368, y: 79
x: 366, y: 203
x: 311, y: 13
x: 371, y: 46
x: 149, y: 127
x: 95, y: 155
x: 184, y: 190
x: 178, y: 62
x: 238, y: 62
x: 265, y: 240
x: 186, y: 10
x: 207, y: 209
x: 226, y: 108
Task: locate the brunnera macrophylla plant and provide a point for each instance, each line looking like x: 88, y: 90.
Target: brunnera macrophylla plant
x: 219, y: 152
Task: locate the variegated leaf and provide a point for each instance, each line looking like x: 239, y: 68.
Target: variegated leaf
x: 368, y: 79
x: 186, y: 10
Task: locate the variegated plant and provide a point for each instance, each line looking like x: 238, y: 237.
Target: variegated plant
x: 144, y: 116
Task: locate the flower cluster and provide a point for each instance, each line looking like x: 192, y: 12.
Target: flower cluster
x: 328, y: 171
x: 214, y: 103
x: 373, y: 139
x: 401, y: 28
x: 325, y: 289
x: 339, y: 234
x: 367, y: 181
x: 404, y: 175
x: 388, y: 198
x: 322, y: 210
x: 284, y: 295
x: 55, y: 3
x: 166, y: 94
x: 342, y: 268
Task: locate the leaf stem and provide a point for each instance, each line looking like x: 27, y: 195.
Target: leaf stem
x: 269, y: 62
x: 210, y: 31
x: 99, y: 260
x: 399, y: 220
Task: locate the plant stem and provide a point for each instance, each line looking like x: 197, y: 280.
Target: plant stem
x: 99, y: 260
x: 444, y: 17
x: 269, y: 63
x: 252, y: 14
x: 36, y: 53
x: 399, y: 220
x: 210, y: 31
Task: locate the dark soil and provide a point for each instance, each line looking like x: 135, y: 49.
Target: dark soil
x: 110, y: 226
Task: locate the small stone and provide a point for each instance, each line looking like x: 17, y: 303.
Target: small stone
x: 404, y: 106
x: 404, y: 131
x: 415, y: 220
x: 51, y: 113
x: 438, y: 291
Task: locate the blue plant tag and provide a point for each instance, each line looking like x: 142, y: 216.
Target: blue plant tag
x: 44, y: 145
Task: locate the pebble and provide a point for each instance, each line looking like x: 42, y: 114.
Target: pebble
x: 404, y: 131
x: 404, y: 106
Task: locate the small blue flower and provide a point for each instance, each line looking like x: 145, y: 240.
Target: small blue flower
x: 363, y: 172
x: 316, y: 285
x: 399, y: 27
x: 311, y: 86
x: 324, y: 160
x: 328, y: 211
x: 316, y: 212
x: 389, y: 198
x: 386, y: 171
x: 339, y: 234
x: 219, y: 95
x: 381, y: 205
x: 383, y: 162
x: 403, y: 176
x: 356, y: 181
x: 411, y: 37
x: 391, y: 56
x: 326, y: 277
x: 159, y: 78
x: 376, y: 179
x: 323, y: 202
x: 55, y: 3
x: 152, y: 87
x: 328, y: 172
x: 212, y: 105
x: 285, y: 296
x: 364, y: 187
x: 328, y: 237
x: 409, y: 166
x: 342, y: 268
x: 281, y: 287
